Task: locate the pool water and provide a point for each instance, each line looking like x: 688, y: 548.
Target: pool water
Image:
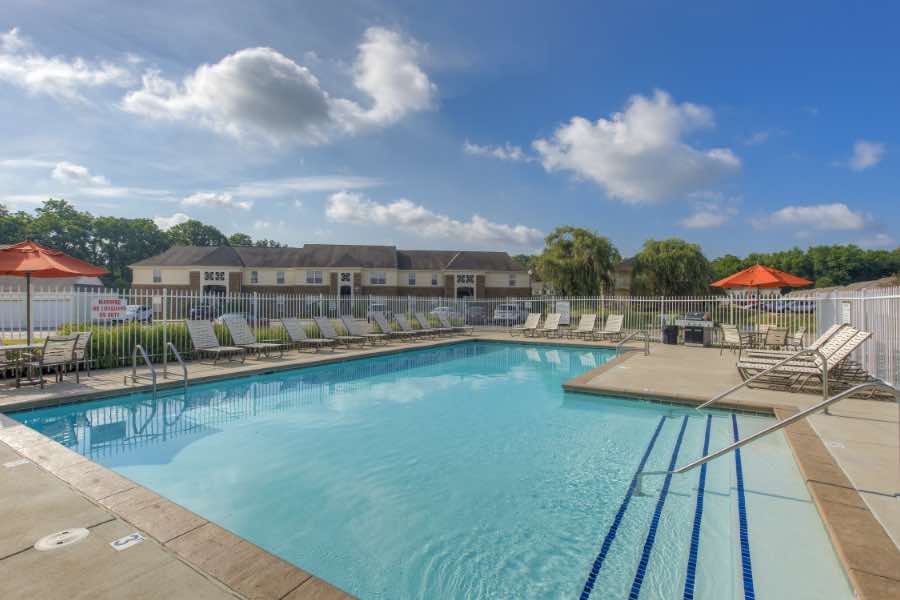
x: 466, y: 472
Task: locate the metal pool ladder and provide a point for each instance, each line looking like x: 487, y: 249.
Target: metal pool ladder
x: 895, y: 392
x: 632, y: 335
x: 152, y: 377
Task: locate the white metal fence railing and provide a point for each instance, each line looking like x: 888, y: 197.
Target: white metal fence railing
x: 155, y: 317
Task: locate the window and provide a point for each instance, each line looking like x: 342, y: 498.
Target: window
x: 157, y: 276
x: 434, y: 279
x: 465, y: 279
x: 214, y: 276
x: 377, y: 278
x: 279, y: 277
x: 411, y: 278
x: 254, y: 276
x: 512, y: 280
x: 314, y: 277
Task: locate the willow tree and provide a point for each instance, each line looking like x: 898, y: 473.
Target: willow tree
x: 577, y: 261
x: 671, y: 267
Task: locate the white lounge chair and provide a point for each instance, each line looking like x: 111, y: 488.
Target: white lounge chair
x: 529, y: 327
x: 356, y: 328
x: 612, y: 329
x: 585, y: 329
x: 551, y: 325
x: 243, y: 337
x: 203, y: 337
x: 296, y: 332
x: 818, y: 343
x: 445, y: 323
x: 406, y: 326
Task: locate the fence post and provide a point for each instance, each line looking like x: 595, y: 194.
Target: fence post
x: 165, y: 326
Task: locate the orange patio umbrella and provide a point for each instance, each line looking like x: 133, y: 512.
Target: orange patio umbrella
x: 761, y: 276
x: 29, y: 259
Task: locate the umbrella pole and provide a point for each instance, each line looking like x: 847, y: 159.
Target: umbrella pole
x: 28, y: 307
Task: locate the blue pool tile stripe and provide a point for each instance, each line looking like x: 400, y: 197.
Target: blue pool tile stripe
x: 746, y: 568
x: 690, y: 577
x: 657, y: 513
x: 617, y: 520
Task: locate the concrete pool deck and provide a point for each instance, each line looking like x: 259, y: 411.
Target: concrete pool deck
x: 849, y: 460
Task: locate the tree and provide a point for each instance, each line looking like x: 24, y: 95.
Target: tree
x: 671, y: 267
x: 120, y: 242
x: 195, y: 233
x: 268, y: 244
x: 240, y: 239
x: 59, y: 225
x: 13, y: 226
x: 577, y: 261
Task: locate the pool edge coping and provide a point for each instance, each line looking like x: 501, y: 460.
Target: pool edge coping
x: 841, y: 508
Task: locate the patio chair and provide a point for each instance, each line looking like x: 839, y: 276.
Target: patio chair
x: 613, y: 329
x: 356, y: 328
x: 425, y: 323
x: 296, y: 332
x: 329, y: 333
x: 203, y: 337
x: 57, y: 354
x: 781, y: 354
x: 83, y: 354
x: 795, y: 375
x: 795, y: 339
x: 585, y: 327
x: 529, y: 327
x: 385, y: 327
x: 445, y: 323
x: 7, y: 362
x: 776, y: 338
x: 243, y: 337
x: 731, y: 338
x: 405, y: 325
x: 551, y: 326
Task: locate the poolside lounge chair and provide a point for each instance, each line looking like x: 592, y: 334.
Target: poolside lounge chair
x: 529, y: 327
x: 445, y: 324
x: 205, y: 342
x: 356, y: 328
x: 585, y: 327
x: 328, y: 332
x: 57, y: 354
x: 405, y: 325
x: 385, y: 327
x: 243, y: 337
x: 296, y: 332
x: 795, y: 375
x: 551, y: 325
x: 776, y: 338
x: 795, y: 339
x: 612, y: 329
x: 424, y: 323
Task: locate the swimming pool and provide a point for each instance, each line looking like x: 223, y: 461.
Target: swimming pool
x: 466, y: 472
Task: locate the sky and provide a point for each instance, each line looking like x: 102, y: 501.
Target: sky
x: 463, y: 125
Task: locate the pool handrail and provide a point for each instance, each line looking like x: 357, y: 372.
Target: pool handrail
x: 631, y: 335
x: 749, y: 380
x: 184, y: 370
x: 895, y: 392
x: 134, y: 375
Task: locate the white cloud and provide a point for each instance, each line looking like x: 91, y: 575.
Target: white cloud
x: 258, y: 93
x: 166, y: 223
x: 639, y: 155
x: 877, y: 240
x: 836, y: 216
x: 349, y: 207
x: 26, y: 163
x: 67, y: 172
x: 504, y: 152
x: 315, y: 183
x: 62, y: 78
x: 708, y: 215
x: 866, y: 155
x: 213, y: 200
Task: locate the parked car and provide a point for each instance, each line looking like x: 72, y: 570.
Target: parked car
x: 509, y: 314
x: 788, y: 305
x: 138, y: 313
x: 203, y: 311
x: 378, y: 307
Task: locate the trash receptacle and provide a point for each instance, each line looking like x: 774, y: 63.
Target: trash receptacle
x: 670, y: 334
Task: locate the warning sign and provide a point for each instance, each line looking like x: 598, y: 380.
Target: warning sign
x: 108, y: 309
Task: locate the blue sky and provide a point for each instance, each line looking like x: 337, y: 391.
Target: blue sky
x: 470, y: 125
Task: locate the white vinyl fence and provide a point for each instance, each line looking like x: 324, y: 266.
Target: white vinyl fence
x: 67, y: 310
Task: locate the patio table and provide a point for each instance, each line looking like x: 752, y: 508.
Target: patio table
x: 19, y: 352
